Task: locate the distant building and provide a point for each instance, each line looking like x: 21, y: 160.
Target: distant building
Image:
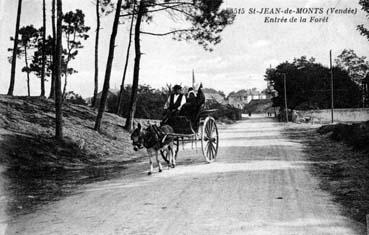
x: 238, y: 99
x: 211, y: 94
x: 241, y: 98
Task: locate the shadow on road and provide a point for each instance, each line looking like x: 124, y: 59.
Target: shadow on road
x: 27, y: 184
x: 342, y: 171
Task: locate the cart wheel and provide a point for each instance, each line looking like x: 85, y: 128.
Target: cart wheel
x: 175, y: 151
x: 209, y: 139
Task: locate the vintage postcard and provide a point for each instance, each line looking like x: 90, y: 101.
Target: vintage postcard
x: 184, y: 117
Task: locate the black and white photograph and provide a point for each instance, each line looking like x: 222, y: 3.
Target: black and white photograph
x: 184, y: 117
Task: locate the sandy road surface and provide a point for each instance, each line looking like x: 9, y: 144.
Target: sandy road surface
x: 259, y: 185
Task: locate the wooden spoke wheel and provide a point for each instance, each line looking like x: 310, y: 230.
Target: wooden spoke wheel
x: 209, y: 139
x: 175, y: 151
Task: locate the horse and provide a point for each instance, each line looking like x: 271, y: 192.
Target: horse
x: 154, y: 139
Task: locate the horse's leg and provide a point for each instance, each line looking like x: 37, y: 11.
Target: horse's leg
x: 157, y: 160
x: 171, y: 152
x: 150, y: 161
x: 167, y: 152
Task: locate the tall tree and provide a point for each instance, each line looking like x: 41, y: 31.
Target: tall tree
x: 108, y: 66
x: 355, y: 65
x: 15, y: 47
x: 206, y: 22
x: 136, y: 68
x: 74, y: 30
x: 357, y: 68
x: 96, y: 75
x: 101, y: 7
x: 28, y: 38
x: 57, y: 61
x: 120, y: 97
x: 365, y: 32
x: 44, y: 48
x: 365, y: 7
x: 52, y: 85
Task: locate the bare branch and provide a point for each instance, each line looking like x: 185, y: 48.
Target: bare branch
x: 165, y: 6
x: 155, y: 10
x: 173, y: 3
x: 182, y: 11
x: 167, y: 33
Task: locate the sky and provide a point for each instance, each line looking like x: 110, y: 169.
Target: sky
x: 249, y: 46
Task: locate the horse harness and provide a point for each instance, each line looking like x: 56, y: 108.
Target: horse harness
x: 155, y: 138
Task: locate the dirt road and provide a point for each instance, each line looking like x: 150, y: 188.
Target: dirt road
x: 260, y: 184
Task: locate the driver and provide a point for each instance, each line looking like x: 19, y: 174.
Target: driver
x: 175, y: 101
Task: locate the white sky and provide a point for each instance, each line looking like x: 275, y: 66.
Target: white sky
x: 248, y: 47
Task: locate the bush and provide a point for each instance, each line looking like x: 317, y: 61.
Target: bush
x: 74, y: 98
x: 223, y: 111
x: 258, y: 106
x: 150, y: 102
x: 356, y: 135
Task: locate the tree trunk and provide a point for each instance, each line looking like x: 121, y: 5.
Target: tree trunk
x: 57, y: 59
x: 43, y: 49
x: 96, y: 77
x: 120, y: 98
x: 65, y: 86
x: 109, y: 64
x: 26, y: 62
x: 15, y: 46
x: 136, y: 70
x: 52, y: 85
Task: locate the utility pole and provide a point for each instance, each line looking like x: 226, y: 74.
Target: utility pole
x: 285, y: 96
x: 332, y: 101
x: 193, y: 79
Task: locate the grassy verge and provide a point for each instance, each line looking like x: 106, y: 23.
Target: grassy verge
x: 343, y: 171
x: 27, y: 125
x: 37, y: 170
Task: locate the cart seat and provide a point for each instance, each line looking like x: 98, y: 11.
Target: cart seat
x: 180, y: 125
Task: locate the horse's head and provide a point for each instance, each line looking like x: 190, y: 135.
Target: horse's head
x: 137, y: 138
x: 144, y: 138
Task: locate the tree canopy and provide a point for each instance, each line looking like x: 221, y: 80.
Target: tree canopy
x: 201, y: 20
x: 308, y: 85
x: 356, y: 66
x: 365, y: 7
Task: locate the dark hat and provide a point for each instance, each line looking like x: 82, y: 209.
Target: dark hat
x: 177, y: 87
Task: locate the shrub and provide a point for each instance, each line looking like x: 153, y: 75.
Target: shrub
x: 223, y: 111
x: 150, y: 102
x: 74, y: 98
x: 356, y: 135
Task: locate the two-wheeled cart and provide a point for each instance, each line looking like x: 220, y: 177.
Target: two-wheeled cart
x: 203, y: 128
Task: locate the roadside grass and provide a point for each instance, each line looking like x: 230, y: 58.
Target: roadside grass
x: 342, y: 169
x: 355, y: 135
x: 28, y: 123
x: 38, y: 170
